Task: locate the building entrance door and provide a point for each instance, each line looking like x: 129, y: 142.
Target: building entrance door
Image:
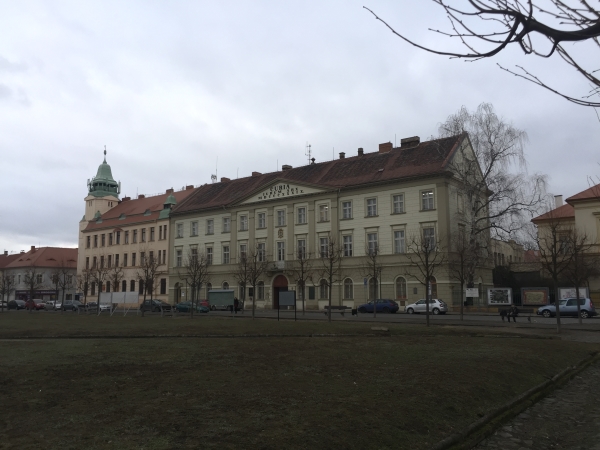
x: 280, y: 284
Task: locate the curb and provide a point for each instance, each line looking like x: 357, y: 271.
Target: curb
x: 487, y: 425
x: 195, y: 336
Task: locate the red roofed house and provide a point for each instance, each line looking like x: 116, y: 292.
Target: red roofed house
x: 371, y: 199
x: 123, y: 233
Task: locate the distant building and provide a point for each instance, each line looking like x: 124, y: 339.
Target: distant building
x: 123, y: 233
x: 505, y: 253
x: 41, y: 265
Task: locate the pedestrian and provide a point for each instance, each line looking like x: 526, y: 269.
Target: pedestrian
x: 236, y: 304
x: 503, y: 314
x: 514, y: 312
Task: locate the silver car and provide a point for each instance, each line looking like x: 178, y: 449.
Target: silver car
x: 435, y: 307
x: 568, y: 307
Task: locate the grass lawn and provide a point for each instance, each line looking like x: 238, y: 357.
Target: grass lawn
x: 407, y: 390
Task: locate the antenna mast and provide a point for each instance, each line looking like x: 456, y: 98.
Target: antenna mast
x: 307, y: 152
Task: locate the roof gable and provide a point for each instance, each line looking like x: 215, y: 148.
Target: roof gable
x: 280, y: 189
x: 562, y: 212
x: 592, y: 193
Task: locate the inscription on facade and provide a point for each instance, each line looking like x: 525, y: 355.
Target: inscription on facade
x: 280, y: 190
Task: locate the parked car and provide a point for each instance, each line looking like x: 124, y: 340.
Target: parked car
x: 436, y: 306
x: 36, y: 304
x: 568, y: 307
x: 73, y: 305
x: 57, y: 305
x: 155, y: 306
x: 187, y: 306
x: 384, y: 305
x: 16, y: 304
x: 49, y: 305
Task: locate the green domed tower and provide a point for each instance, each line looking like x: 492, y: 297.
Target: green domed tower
x: 103, y: 183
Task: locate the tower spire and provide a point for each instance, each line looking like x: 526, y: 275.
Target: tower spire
x: 105, y: 154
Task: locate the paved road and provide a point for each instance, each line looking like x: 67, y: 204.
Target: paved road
x: 567, y: 419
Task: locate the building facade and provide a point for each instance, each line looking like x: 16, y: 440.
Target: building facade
x: 125, y: 236
x: 382, y: 200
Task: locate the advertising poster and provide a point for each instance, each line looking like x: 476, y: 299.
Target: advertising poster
x: 572, y: 292
x: 499, y: 296
x: 534, y: 296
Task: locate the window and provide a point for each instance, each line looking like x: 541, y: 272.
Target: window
x: 124, y: 286
x: 165, y: 231
x: 261, y: 248
x: 243, y: 222
x: 179, y: 230
x: 324, y: 247
x: 261, y: 290
x: 348, y: 289
x: 134, y: 238
x: 460, y: 203
x: 426, y: 200
x: 133, y: 259
x: 103, y: 241
x: 109, y: 261
x: 95, y: 240
x: 226, y: 254
x: 142, y: 258
x: 346, y: 210
x: 178, y: 258
x: 39, y: 278
x: 301, y: 213
x: 143, y: 235
x: 262, y: 220
x: 151, y: 256
x: 401, y: 288
x: 372, y: 246
x: 132, y: 285
x: 151, y: 234
x: 93, y: 288
x: 127, y: 237
x: 163, y: 286
x: 118, y: 237
x: 398, y: 204
x: 164, y: 256
x: 323, y: 213
x: 102, y: 261
x: 209, y: 255
x: 280, y: 217
x: 429, y: 238
x: 399, y: 242
x: 226, y: 224
x: 110, y: 239
x: 371, y: 207
x: 225, y: 285
x: 107, y: 286
x: 210, y: 226
x: 124, y: 259
x: 141, y: 287
x: 94, y: 262
x: 301, y: 246
x: 280, y: 251
x: 243, y: 251
x: 347, y: 240
x: 87, y: 262
x: 323, y: 291
x: 88, y: 242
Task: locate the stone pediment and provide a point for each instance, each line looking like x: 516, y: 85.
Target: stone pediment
x: 281, y: 190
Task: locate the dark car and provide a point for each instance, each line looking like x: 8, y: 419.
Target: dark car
x: 568, y: 307
x: 384, y: 305
x: 187, y: 306
x: 155, y: 306
x: 73, y: 305
x: 16, y: 304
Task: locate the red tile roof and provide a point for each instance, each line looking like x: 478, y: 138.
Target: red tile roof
x: 562, y: 212
x: 133, y: 210
x: 46, y: 257
x: 426, y: 159
x: 588, y: 194
x: 7, y: 259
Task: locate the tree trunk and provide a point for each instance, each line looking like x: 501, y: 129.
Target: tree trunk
x: 557, y: 306
x: 578, y: 305
x: 427, y: 301
x: 462, y: 301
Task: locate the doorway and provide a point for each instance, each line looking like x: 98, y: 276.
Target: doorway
x: 280, y: 284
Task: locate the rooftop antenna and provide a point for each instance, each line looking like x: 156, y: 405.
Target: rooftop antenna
x: 213, y: 178
x: 307, y: 152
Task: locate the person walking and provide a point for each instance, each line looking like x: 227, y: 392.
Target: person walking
x: 236, y: 304
x: 503, y: 314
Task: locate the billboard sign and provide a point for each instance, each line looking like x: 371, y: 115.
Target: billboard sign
x: 287, y: 298
x: 572, y: 292
x: 534, y: 296
x: 499, y: 296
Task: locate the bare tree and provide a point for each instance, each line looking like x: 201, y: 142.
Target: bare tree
x: 147, y: 275
x: 98, y: 276
x: 459, y: 263
x: 330, y: 255
x: 62, y: 280
x: 33, y: 280
x: 425, y: 253
x: 257, y: 264
x: 242, y: 275
x: 195, y: 272
x: 7, y: 285
x: 372, y: 269
x: 302, y: 270
x: 83, y: 283
x: 115, y: 277
x: 487, y: 27
x: 583, y: 265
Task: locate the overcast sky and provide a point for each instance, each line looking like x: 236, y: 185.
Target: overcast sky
x: 170, y: 87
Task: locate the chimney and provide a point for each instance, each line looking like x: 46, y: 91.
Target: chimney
x: 558, y: 201
x: 141, y: 196
x: 360, y: 151
x: 385, y: 147
x: 410, y: 142
x: 188, y: 187
x: 256, y: 174
x: 32, y: 248
x: 5, y: 252
x: 312, y: 160
x: 169, y: 191
x: 22, y: 252
x: 125, y: 199
x: 286, y: 167
x: 224, y: 180
x: 342, y: 155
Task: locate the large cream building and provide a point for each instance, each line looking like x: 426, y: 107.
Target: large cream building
x: 123, y: 232
x: 380, y: 198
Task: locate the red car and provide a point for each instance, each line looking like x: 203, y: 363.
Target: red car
x: 35, y: 304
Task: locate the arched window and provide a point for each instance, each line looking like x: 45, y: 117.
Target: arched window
x: 93, y: 288
x: 208, y: 288
x: 348, y: 289
x: 323, y: 290
x: 123, y: 286
x: 401, y: 288
x: 108, y: 286
x: 225, y: 285
x: 373, y: 290
x: 260, y: 287
x: 433, y: 284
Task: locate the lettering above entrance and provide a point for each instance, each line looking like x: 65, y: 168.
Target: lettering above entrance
x: 281, y: 190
